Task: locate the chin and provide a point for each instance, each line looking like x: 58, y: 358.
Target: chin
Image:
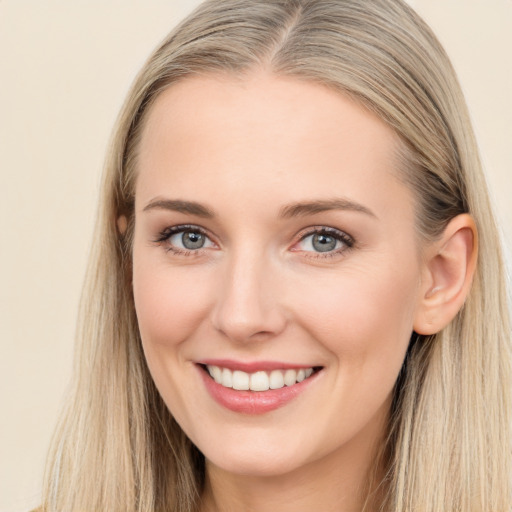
x: 259, y: 459
x: 256, y: 466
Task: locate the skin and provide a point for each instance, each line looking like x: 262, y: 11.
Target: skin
x: 258, y: 290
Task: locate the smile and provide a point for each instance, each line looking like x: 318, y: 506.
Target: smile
x: 255, y: 388
x: 260, y: 380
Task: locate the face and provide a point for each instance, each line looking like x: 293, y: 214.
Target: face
x: 276, y: 270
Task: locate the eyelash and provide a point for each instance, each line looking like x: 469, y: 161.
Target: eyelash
x: 167, y: 233
x: 340, y: 236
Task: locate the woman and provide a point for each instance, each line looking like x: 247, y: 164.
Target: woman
x: 296, y: 297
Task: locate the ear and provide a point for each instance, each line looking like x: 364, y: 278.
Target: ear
x: 122, y: 224
x: 449, y: 266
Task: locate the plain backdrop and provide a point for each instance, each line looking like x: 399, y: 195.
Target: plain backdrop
x: 65, y: 67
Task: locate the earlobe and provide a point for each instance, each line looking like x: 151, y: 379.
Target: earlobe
x: 449, y: 268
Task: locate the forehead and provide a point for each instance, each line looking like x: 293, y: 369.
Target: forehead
x: 278, y: 138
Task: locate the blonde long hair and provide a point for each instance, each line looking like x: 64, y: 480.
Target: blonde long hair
x: 118, y: 448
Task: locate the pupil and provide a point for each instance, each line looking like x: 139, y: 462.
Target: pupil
x: 192, y: 240
x: 324, y: 243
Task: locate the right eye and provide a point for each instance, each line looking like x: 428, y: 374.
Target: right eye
x: 185, y: 239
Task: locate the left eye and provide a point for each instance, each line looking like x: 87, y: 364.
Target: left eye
x: 323, y: 242
x: 189, y: 240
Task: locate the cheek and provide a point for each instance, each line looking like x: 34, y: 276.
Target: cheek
x: 364, y: 317
x: 169, y: 304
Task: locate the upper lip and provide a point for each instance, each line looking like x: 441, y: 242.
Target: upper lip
x: 254, y: 366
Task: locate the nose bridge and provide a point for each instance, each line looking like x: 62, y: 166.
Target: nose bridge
x: 247, y: 306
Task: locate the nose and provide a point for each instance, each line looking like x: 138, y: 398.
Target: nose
x: 247, y: 307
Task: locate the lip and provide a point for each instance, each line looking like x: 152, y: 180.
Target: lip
x: 254, y: 402
x: 255, y: 366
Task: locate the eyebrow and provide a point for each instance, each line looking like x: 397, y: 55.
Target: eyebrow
x: 313, y: 207
x: 177, y: 205
x: 299, y: 209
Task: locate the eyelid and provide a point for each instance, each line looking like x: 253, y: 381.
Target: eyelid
x: 347, y: 240
x: 170, y: 231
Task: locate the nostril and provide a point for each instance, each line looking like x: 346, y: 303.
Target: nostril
x: 245, y: 309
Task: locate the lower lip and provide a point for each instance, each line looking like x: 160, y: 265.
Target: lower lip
x: 253, y: 402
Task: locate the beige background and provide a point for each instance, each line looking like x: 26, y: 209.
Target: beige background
x: 65, y: 66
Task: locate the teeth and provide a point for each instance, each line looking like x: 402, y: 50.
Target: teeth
x: 227, y: 378
x: 240, y: 380
x: 276, y: 380
x: 258, y: 381
x: 290, y: 377
x: 216, y: 373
